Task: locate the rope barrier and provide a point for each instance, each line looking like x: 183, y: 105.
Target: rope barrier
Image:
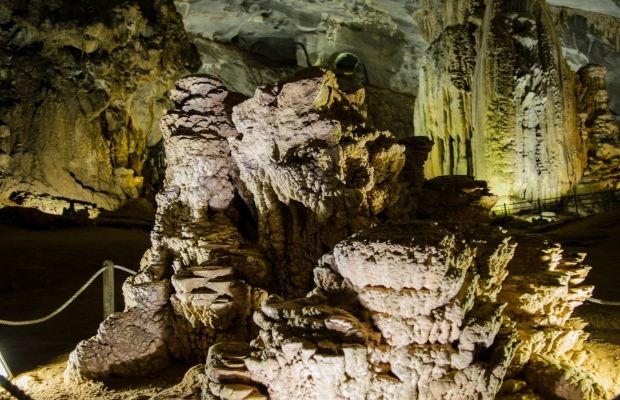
x: 603, y: 302
x: 66, y: 303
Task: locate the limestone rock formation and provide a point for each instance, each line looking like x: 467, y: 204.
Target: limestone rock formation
x: 602, y: 131
x: 82, y: 88
x: 590, y: 34
x: 249, y: 44
x: 298, y: 160
x: 264, y: 195
x: 312, y: 169
x: 456, y: 198
x: 131, y: 343
x: 506, y: 100
x: 399, y: 312
x: 197, y: 252
x: 542, y: 289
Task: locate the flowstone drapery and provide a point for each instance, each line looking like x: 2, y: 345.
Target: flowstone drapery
x: 286, y: 253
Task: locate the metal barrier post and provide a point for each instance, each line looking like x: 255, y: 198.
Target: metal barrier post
x: 108, y: 288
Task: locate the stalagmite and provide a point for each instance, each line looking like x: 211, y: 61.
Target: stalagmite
x: 298, y: 158
x: 286, y: 255
x: 399, y: 312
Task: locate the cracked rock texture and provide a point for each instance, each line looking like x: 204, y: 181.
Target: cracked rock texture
x: 82, y: 88
x: 399, y: 312
x: 508, y: 113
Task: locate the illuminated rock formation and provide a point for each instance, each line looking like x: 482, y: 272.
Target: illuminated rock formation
x: 541, y: 291
x: 314, y: 173
x: 456, y: 198
x: 590, y: 34
x: 82, y: 87
x: 300, y: 160
x: 399, y: 312
x: 198, y: 257
x: 263, y: 195
x: 498, y: 100
x: 602, y: 131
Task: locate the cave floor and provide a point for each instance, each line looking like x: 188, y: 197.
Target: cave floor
x: 40, y: 269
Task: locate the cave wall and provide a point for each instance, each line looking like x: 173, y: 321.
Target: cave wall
x: 82, y: 86
x: 494, y: 93
x: 82, y: 89
x: 591, y: 35
x: 507, y: 100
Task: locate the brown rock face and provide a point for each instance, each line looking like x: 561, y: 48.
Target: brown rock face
x: 82, y: 89
x: 315, y: 171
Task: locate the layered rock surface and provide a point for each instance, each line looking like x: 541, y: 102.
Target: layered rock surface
x: 82, y: 89
x: 399, y: 312
x: 254, y: 193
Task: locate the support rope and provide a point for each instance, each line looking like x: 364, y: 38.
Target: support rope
x: 603, y: 302
x: 66, y: 303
